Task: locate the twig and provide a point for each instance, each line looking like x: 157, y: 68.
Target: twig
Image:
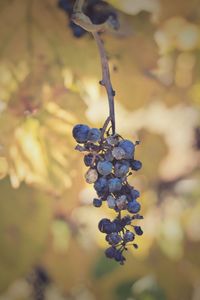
x: 105, y: 126
x: 82, y: 20
x: 106, y: 82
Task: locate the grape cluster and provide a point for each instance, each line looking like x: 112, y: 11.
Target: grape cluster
x: 110, y: 160
x: 97, y: 10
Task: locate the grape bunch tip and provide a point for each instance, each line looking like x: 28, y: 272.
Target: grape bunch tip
x: 110, y: 160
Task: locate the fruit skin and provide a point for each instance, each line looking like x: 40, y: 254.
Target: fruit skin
x: 112, y: 140
x: 111, y: 202
x: 76, y: 30
x: 138, y: 230
x: 108, y: 156
x: 121, y: 202
x: 119, y: 257
x: 118, y: 153
x: 113, y: 238
x: 135, y: 194
x: 121, y: 168
x: 91, y: 176
x: 101, y: 185
x: 128, y: 236
x: 110, y: 252
x: 114, y: 185
x: 94, y: 135
x: 106, y: 226
x: 128, y: 147
x: 97, y: 202
x: 104, y: 167
x: 67, y: 6
x: 133, y: 207
x: 136, y: 165
x: 88, y: 158
x: 80, y: 133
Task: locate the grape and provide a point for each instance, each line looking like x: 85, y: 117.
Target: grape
x: 119, y: 257
x: 94, y: 135
x: 118, y: 153
x: 114, y: 185
x: 109, y: 156
x: 121, y: 202
x: 136, y: 165
x: 91, y: 176
x: 101, y: 185
x: 133, y: 207
x: 128, y: 147
x: 97, y: 202
x: 128, y: 236
x: 66, y: 5
x: 126, y: 220
x: 112, y: 140
x: 111, y: 202
x: 114, y: 238
x: 106, y: 226
x: 104, y: 167
x: 121, y: 168
x: 110, y: 252
x: 98, y: 11
x: 135, y: 194
x: 80, y: 133
x: 88, y: 159
x: 138, y: 230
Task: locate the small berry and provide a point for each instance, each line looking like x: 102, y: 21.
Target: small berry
x: 121, y: 168
x: 80, y: 133
x: 128, y: 236
x: 138, y: 230
x: 118, y: 153
x: 97, y: 202
x: 110, y: 252
x: 101, y: 185
x: 114, y: 238
x: 88, y: 159
x: 77, y: 30
x: 119, y: 257
x: 133, y: 207
x: 104, y: 167
x: 91, y: 176
x: 94, y: 135
x: 136, y: 165
x: 135, y: 194
x: 135, y: 246
x: 112, y: 140
x: 111, y: 202
x: 114, y: 185
x: 126, y: 220
x: 121, y: 202
x: 128, y: 147
x: 108, y: 156
x: 105, y: 225
x: 118, y: 224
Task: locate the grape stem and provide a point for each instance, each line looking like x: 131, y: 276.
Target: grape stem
x: 106, y: 82
x: 82, y: 20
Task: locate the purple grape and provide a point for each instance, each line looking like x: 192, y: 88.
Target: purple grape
x: 104, y: 167
x: 80, y: 133
x: 128, y: 147
x: 114, y: 185
x: 94, y: 135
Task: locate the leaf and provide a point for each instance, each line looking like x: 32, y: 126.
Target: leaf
x: 25, y: 215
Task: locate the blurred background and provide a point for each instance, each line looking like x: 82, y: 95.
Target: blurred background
x: 50, y: 247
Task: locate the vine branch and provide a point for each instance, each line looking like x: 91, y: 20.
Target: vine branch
x: 82, y: 20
